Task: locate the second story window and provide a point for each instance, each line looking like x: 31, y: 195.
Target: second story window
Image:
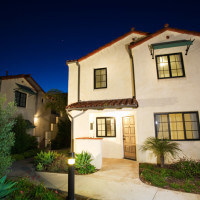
x: 100, y: 78
x: 170, y: 66
x: 20, y: 99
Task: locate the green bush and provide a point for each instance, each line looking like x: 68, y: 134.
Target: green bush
x: 39, y: 167
x: 45, y: 158
x: 31, y: 153
x: 6, y: 135
x: 83, y: 163
x: 59, y: 164
x: 175, y: 185
x: 6, y: 188
x: 26, y: 190
x: 189, y: 168
x: 23, y: 141
x: 63, y: 137
x: 17, y: 157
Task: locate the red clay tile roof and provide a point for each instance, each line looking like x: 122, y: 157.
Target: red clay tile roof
x: 102, y: 104
x: 161, y: 31
x: 28, y: 78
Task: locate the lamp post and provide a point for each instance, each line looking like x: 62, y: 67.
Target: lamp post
x: 71, y: 162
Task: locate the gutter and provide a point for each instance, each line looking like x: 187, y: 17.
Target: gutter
x: 79, y: 74
x: 133, y: 71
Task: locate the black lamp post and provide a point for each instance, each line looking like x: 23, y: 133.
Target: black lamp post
x: 71, y: 162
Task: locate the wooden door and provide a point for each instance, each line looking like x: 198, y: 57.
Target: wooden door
x: 129, y: 137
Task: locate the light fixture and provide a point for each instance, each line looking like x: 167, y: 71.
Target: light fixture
x: 71, y: 162
x: 35, y: 120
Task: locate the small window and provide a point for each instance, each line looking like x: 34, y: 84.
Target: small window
x: 20, y: 99
x: 177, y: 126
x: 100, y: 78
x: 106, y: 127
x: 170, y: 66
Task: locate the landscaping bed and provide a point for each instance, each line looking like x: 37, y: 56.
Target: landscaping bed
x: 28, y: 190
x: 182, y: 176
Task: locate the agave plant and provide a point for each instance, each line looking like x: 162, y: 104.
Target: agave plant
x: 83, y: 163
x: 6, y: 188
x: 160, y: 148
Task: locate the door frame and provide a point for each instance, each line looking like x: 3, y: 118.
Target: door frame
x: 123, y: 138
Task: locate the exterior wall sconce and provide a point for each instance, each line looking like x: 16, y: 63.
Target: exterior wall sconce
x: 35, y: 120
x: 71, y: 162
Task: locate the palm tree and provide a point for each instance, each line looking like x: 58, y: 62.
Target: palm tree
x: 160, y: 148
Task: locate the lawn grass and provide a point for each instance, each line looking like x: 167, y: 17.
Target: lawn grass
x: 169, y: 178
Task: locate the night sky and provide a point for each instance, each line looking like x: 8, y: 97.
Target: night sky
x: 37, y: 37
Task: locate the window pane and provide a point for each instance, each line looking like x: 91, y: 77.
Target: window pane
x: 103, y: 84
x: 98, y: 78
x: 97, y: 72
x: 98, y: 84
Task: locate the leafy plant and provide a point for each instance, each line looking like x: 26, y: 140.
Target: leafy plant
x: 40, y: 167
x: 6, y: 188
x: 23, y: 141
x: 63, y: 137
x: 189, y: 168
x: 16, y: 157
x: 45, y: 158
x: 83, y: 163
x: 160, y: 148
x: 175, y: 185
x: 59, y: 164
x: 26, y: 190
x: 6, y: 135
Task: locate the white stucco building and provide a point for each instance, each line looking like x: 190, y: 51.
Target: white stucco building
x: 29, y: 98
x: 137, y: 86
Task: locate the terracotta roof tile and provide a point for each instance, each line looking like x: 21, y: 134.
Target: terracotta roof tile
x: 161, y: 31
x: 103, y: 104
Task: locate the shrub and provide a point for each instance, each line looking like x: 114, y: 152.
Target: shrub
x: 189, y: 168
x: 59, y: 164
x: 26, y: 190
x: 175, y: 186
x: 16, y: 157
x: 23, y: 141
x: 39, y: 167
x: 31, y: 153
x: 45, y: 158
x: 6, y: 188
x: 63, y: 137
x: 83, y: 163
x: 6, y: 135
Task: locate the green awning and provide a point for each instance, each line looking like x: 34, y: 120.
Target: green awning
x: 176, y: 43
x: 26, y: 89
x: 171, y: 44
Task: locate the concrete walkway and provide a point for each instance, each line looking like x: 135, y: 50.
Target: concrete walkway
x: 117, y: 180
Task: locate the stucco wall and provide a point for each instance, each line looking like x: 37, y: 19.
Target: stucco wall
x: 166, y: 95
x: 34, y: 105
x: 119, y: 77
x: 113, y: 146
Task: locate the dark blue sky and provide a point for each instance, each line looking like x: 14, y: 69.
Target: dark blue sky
x: 37, y: 37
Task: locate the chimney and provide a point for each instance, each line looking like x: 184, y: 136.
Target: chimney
x: 6, y: 73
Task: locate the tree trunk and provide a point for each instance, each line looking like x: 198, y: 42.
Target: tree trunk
x: 162, y: 160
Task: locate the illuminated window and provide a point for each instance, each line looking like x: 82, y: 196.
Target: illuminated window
x: 106, y: 127
x: 100, y: 78
x: 177, y: 126
x: 20, y: 99
x: 170, y: 66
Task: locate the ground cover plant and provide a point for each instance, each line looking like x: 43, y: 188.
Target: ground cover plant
x: 182, y: 176
x: 28, y: 190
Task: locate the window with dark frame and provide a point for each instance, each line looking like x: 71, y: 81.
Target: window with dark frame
x: 100, y: 78
x: 177, y: 126
x: 170, y: 66
x: 106, y: 127
x: 20, y: 99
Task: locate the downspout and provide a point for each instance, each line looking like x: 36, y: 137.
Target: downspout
x: 133, y: 71
x: 72, y: 128
x: 79, y: 73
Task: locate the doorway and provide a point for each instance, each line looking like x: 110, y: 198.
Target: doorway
x: 129, y: 137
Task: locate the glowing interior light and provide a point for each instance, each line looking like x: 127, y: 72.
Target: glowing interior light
x: 35, y: 119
